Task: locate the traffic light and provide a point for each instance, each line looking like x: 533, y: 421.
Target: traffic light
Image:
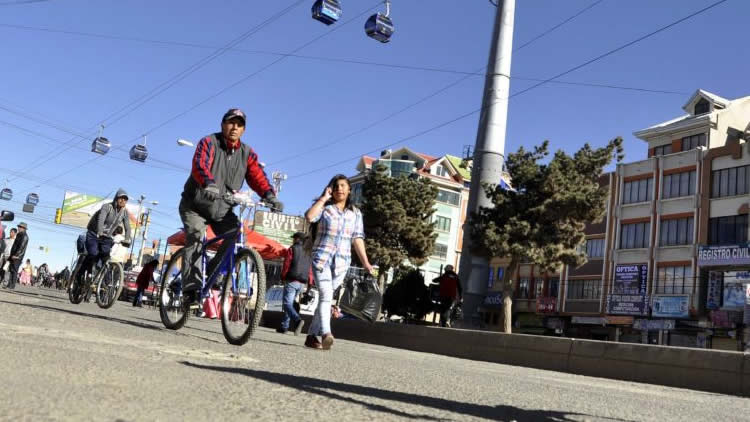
x: 58, y: 215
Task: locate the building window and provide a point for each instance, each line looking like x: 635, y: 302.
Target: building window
x: 678, y: 184
x: 448, y: 197
x: 730, y: 182
x: 634, y: 235
x: 523, y: 288
x: 357, y: 193
x: 595, y: 248
x: 440, y: 251
x: 727, y: 230
x: 442, y: 171
x: 692, y: 142
x: 663, y: 150
x: 702, y: 106
x: 442, y: 224
x: 584, y: 289
x: 676, y: 231
x: 538, y: 288
x: 637, y: 191
x: 674, y: 280
x: 553, y: 285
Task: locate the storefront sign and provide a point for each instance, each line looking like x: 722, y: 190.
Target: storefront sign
x: 493, y: 300
x: 589, y: 320
x: 619, y: 320
x: 279, y: 227
x: 671, y: 306
x: 629, y: 291
x: 723, y: 255
x: 654, y: 324
x: 545, y: 305
x: 713, y: 298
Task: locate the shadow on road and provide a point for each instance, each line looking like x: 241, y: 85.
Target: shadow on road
x: 324, y: 387
x: 35, y: 295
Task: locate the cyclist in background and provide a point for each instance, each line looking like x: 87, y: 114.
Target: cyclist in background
x: 220, y: 164
x: 101, y: 228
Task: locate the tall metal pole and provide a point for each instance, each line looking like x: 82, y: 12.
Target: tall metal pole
x: 488, y: 153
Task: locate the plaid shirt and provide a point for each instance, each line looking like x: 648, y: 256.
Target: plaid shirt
x: 336, y: 230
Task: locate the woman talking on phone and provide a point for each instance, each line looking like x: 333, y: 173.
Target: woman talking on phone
x: 339, y: 227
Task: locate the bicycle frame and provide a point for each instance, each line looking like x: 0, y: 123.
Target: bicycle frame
x: 227, y: 263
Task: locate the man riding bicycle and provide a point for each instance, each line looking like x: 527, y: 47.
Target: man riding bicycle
x: 220, y: 163
x: 100, y: 231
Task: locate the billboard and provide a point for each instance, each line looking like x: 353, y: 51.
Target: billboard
x: 629, y: 291
x: 279, y: 227
x: 78, y: 208
x: 671, y: 306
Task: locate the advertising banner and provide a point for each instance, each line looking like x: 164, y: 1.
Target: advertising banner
x: 734, y: 296
x: 78, y: 208
x: 713, y: 297
x: 629, y: 291
x: 545, y: 305
x: 723, y: 255
x: 671, y: 306
x: 279, y: 227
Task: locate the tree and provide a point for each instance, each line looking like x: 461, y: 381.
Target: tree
x: 542, y: 219
x: 397, y: 214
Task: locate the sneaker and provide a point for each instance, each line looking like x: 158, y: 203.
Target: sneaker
x: 327, y: 341
x: 313, y: 343
x: 298, y: 328
x: 281, y: 330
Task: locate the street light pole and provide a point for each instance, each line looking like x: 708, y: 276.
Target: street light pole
x: 489, y: 152
x: 135, y: 230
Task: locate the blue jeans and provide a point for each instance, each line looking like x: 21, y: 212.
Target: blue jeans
x: 138, y: 296
x: 327, y: 281
x: 291, y: 290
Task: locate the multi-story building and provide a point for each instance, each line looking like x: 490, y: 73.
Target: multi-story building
x: 670, y: 261
x: 452, y: 180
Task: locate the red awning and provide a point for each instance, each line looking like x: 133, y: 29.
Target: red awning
x: 268, y: 248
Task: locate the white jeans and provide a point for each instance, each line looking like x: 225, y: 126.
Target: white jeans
x: 326, y: 281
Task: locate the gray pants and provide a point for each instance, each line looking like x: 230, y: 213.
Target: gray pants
x: 195, y: 226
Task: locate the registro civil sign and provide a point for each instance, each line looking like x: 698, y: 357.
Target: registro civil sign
x: 724, y: 255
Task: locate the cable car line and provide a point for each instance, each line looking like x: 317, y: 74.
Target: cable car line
x: 521, y: 92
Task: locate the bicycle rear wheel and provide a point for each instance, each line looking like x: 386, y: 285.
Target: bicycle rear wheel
x: 109, y: 285
x: 242, y: 302
x: 77, y: 289
x: 173, y: 310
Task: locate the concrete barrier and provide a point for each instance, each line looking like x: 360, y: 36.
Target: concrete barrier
x: 699, y: 369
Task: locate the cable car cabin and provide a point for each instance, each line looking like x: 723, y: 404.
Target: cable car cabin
x: 138, y: 153
x: 6, y: 194
x: 101, y: 145
x: 32, y: 199
x: 326, y: 11
x: 379, y: 27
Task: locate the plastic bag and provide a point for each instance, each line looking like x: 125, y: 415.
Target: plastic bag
x: 361, y: 297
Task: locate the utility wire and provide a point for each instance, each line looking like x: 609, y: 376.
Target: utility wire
x: 523, y: 91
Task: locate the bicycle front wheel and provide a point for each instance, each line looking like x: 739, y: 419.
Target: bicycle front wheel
x: 77, y: 289
x: 243, y: 297
x: 109, y: 285
x: 173, y: 309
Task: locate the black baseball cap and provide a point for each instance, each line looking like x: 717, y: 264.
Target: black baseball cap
x: 232, y: 113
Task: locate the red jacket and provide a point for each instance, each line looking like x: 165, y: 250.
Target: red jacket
x: 146, y: 275
x: 288, y: 256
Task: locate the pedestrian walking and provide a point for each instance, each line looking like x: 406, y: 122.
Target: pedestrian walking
x: 17, y: 253
x: 296, y: 274
x: 145, y: 277
x: 450, y: 292
x: 4, y: 258
x: 26, y: 273
x: 337, y: 227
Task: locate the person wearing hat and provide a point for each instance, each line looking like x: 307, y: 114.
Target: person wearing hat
x: 296, y: 273
x: 220, y: 165
x: 17, y: 253
x: 450, y: 289
x: 101, y: 231
x: 145, y: 277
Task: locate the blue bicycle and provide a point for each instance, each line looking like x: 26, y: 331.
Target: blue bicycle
x: 240, y: 275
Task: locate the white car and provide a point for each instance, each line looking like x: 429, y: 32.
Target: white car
x: 275, y: 295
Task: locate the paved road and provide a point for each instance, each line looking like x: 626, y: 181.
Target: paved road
x: 77, y: 362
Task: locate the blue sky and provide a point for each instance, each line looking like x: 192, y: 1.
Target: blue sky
x: 55, y: 71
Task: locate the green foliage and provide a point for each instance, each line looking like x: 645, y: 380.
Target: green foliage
x: 543, y: 221
x: 397, y: 215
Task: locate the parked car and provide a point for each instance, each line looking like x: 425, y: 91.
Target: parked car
x: 275, y: 295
